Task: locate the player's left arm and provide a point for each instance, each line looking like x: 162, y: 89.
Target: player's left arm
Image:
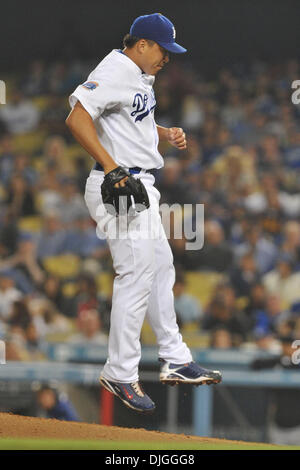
x: 174, y: 135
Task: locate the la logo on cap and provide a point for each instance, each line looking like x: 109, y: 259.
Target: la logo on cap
x: 174, y: 33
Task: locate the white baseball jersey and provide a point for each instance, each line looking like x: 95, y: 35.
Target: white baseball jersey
x: 120, y: 99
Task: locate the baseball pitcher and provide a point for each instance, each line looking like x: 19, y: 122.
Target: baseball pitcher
x: 112, y: 118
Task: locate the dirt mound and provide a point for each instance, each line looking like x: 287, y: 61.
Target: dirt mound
x: 26, y: 427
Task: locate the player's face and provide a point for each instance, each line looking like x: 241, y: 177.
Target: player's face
x: 154, y: 58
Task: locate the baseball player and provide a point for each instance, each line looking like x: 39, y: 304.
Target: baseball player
x: 112, y: 118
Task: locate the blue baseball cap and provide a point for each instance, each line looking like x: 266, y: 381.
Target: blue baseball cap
x: 157, y: 28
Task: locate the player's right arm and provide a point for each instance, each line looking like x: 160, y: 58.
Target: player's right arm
x: 82, y: 128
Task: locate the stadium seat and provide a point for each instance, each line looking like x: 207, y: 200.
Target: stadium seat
x: 3, y: 192
x: 32, y: 224
x: 242, y: 302
x: 63, y: 266
x: 193, y: 336
x: 202, y: 284
x: 148, y: 337
x: 69, y: 289
x: 105, y: 283
x: 41, y: 102
x: 73, y: 151
x: 196, y: 339
x: 30, y: 142
x: 61, y: 337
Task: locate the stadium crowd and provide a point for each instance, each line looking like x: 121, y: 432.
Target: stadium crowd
x: 242, y: 162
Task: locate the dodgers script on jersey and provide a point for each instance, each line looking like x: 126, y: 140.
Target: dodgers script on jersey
x: 120, y: 99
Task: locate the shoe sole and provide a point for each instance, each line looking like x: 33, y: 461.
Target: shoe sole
x: 111, y: 390
x: 197, y: 382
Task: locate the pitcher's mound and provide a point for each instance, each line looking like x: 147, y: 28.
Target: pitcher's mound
x: 14, y: 426
x: 22, y: 426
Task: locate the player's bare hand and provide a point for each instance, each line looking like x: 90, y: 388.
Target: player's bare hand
x: 176, y: 137
x: 113, y: 166
x: 121, y: 183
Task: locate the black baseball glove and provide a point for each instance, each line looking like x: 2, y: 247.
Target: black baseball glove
x: 130, y: 198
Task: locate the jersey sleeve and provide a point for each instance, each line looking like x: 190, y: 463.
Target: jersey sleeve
x: 96, y: 95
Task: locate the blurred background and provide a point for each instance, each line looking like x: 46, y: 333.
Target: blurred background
x: 237, y: 299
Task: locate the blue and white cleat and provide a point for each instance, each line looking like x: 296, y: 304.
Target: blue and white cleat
x: 132, y: 395
x: 190, y: 373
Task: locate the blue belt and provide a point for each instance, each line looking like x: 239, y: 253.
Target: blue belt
x: 134, y: 170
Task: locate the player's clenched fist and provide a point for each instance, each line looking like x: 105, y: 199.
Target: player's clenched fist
x: 176, y: 137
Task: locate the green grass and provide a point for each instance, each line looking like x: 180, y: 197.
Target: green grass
x: 54, y: 444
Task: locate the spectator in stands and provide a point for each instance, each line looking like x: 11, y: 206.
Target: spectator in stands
x: 165, y: 109
x: 187, y: 307
x: 20, y: 315
x: 221, y: 338
x: 82, y: 172
x: 87, y: 297
x: 191, y: 157
x: 251, y: 130
x: 240, y: 224
x: 244, y: 275
x: 220, y: 315
x: 233, y: 112
x: 49, y: 189
x: 284, y: 421
x: 16, y: 344
x: 192, y: 113
x: 71, y: 205
x: 8, y: 295
x: 292, y: 153
x: 23, y: 264
x: 290, y: 327
x: 216, y: 254
x: 267, y: 322
x: 258, y: 202
x: 90, y: 329
x: 54, y: 115
x: 9, y: 233
x: 34, y: 343
x: 22, y: 339
x: 273, y: 217
x: 271, y: 158
x: 83, y: 241
x: 211, y: 149
x: 50, y: 324
x: 23, y: 168
x: 264, y: 251
x: 291, y: 241
x: 54, y: 152
x: 52, y: 239
x: 52, y: 404
x: 19, y: 115
x: 87, y: 293
x: 7, y: 156
x: 231, y: 174
x: 283, y: 281
x: 53, y: 290
x: 20, y: 197
x: 179, y: 251
x: 172, y: 186
x: 256, y: 301
x: 209, y: 191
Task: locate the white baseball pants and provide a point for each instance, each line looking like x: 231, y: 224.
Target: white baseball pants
x: 145, y: 275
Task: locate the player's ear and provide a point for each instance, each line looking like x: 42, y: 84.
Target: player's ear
x: 141, y: 46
